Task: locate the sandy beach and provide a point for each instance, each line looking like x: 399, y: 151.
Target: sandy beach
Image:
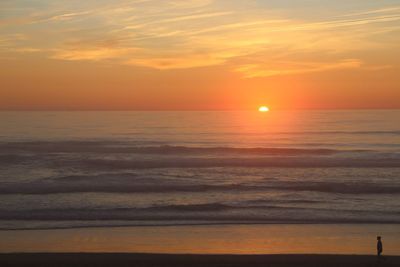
x: 208, y: 239
x: 175, y: 260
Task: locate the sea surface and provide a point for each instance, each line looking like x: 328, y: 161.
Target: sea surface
x: 107, y: 169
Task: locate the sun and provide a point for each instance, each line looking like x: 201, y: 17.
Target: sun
x: 263, y: 109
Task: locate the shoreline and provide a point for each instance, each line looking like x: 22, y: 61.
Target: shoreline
x: 178, y: 260
x: 345, y: 239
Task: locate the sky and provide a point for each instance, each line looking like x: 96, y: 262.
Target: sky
x: 199, y: 54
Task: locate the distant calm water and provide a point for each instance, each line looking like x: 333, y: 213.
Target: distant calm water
x: 75, y: 169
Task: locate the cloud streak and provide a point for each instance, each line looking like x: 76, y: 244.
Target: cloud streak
x: 289, y: 68
x: 198, y: 33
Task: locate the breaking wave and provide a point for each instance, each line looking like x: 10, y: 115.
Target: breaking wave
x: 258, y: 162
x: 131, y: 147
x: 201, y: 213
x: 132, y: 183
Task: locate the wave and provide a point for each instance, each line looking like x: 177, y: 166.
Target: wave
x: 110, y: 156
x: 288, y: 133
x: 122, y: 147
x: 132, y: 183
x: 117, y: 163
x: 256, y: 162
x: 282, y: 159
x: 13, y: 159
x: 14, y: 225
x: 197, y: 212
x: 342, y: 132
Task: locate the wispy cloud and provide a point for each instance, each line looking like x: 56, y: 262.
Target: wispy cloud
x: 198, y: 33
x: 393, y: 9
x: 66, y: 16
x: 189, y: 4
x: 287, y: 68
x: 35, y: 19
x: 96, y: 54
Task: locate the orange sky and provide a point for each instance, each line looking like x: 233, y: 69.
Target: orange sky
x: 199, y: 54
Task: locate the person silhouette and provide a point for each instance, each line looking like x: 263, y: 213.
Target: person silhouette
x: 379, y: 246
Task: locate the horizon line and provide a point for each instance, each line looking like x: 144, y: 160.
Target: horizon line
x: 193, y: 110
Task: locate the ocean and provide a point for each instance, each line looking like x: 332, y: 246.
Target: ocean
x: 62, y: 170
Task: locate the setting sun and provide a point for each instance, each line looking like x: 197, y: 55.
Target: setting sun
x: 263, y: 109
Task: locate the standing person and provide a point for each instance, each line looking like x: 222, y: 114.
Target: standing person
x: 379, y: 246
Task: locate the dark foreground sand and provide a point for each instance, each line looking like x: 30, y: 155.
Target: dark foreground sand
x: 116, y: 260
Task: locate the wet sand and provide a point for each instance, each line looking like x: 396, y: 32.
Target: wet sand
x: 354, y: 239
x: 176, y: 260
